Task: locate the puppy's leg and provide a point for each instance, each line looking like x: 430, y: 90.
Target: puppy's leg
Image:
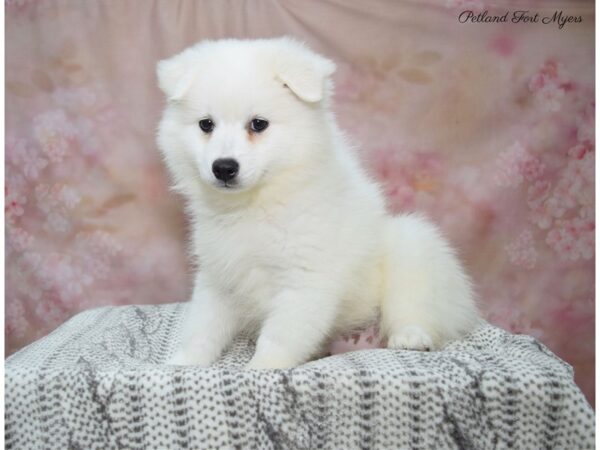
x: 294, y: 331
x: 209, y: 326
x: 427, y: 296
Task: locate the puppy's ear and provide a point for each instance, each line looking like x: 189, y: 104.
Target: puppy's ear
x: 175, y: 75
x: 304, y: 72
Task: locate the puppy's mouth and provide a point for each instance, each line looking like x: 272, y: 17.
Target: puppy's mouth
x: 227, y: 185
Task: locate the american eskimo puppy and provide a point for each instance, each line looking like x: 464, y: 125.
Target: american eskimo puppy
x: 290, y: 235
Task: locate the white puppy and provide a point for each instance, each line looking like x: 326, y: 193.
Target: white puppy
x: 290, y: 235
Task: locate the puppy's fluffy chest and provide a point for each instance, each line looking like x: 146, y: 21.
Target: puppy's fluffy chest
x: 254, y: 253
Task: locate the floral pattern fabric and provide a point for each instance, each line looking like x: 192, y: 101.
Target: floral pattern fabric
x: 488, y: 128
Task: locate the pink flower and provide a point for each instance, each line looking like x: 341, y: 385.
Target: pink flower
x: 25, y: 157
x: 69, y: 197
x: 550, y: 73
x: 560, y: 202
x: 57, y: 223
x: 58, y: 198
x: 580, y: 150
x: 575, y: 187
x: 521, y: 251
x: 549, y: 85
x: 540, y: 216
x: 562, y: 242
x: 18, y: 239
x: 573, y: 239
x: 33, y: 164
x: 537, y: 193
x: 88, y: 102
x: 14, y: 204
x: 88, y: 107
x: 532, y: 168
x: 55, y: 133
x: 516, y: 164
x: 63, y: 275
x: 97, y: 252
x: 420, y: 169
x: 407, y: 176
x: 550, y: 98
x: 509, y: 165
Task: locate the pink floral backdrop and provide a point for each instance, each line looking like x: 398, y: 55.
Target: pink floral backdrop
x: 486, y: 127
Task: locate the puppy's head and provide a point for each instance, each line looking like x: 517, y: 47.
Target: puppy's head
x: 241, y: 111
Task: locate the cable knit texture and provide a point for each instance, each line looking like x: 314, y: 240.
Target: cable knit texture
x: 99, y: 382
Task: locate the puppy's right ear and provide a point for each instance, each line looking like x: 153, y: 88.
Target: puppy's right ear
x: 175, y: 75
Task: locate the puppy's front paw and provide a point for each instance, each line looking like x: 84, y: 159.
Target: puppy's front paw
x: 187, y: 358
x: 411, y: 337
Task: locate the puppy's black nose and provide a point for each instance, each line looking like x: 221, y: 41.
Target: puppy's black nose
x: 225, y: 169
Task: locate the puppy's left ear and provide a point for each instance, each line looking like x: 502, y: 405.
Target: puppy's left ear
x: 175, y: 75
x: 304, y: 72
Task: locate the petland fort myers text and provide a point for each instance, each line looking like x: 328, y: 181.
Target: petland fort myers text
x: 558, y: 17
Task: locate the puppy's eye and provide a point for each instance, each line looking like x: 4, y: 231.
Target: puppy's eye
x: 258, y: 125
x: 206, y: 125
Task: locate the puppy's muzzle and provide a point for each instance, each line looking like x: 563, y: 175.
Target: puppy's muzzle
x: 225, y: 169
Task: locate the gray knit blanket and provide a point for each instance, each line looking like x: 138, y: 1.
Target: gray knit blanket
x: 100, y: 382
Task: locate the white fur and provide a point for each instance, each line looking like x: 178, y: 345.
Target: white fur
x: 301, y: 249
